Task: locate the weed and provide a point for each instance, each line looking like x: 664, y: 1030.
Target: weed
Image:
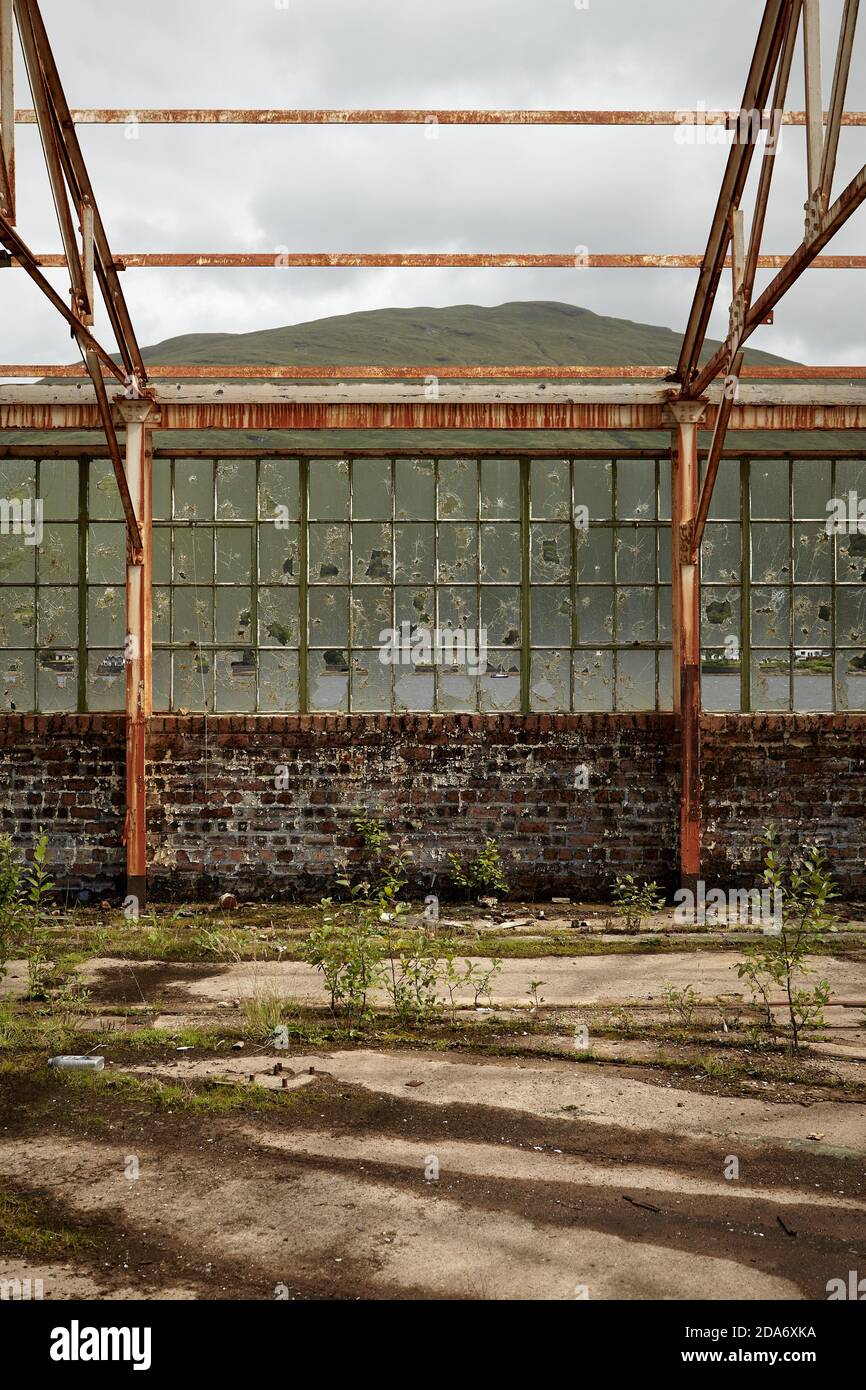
x: 485, y: 874
x: 636, y: 901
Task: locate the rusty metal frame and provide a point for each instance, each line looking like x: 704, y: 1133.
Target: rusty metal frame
x: 253, y: 116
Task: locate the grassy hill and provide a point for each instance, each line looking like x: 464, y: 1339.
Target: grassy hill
x: 542, y: 332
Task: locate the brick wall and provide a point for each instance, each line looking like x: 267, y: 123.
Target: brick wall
x: 217, y: 818
x: 66, y: 773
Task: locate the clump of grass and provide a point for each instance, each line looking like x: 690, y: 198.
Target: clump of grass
x: 23, y: 1231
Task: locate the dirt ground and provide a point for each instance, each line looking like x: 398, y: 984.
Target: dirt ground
x: 489, y: 1155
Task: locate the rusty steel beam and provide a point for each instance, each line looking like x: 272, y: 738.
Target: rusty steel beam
x: 433, y: 116
x: 714, y: 458
x: 426, y: 260
x: 844, y: 207
x: 837, y: 100
x: 771, y: 37
x: 814, y: 97
x: 686, y: 632
x: 768, y: 162
x: 221, y: 371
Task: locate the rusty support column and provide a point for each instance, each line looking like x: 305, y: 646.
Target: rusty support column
x: 138, y: 419
x: 686, y: 631
x: 7, y: 113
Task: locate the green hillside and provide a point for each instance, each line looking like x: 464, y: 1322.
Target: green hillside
x: 540, y: 332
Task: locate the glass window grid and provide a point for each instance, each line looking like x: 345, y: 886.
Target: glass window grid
x: 88, y: 689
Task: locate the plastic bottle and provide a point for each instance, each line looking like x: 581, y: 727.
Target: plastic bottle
x: 77, y: 1063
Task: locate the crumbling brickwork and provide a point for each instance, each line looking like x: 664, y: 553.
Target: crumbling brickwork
x: 263, y: 805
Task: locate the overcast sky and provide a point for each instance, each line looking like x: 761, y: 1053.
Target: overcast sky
x: 395, y: 189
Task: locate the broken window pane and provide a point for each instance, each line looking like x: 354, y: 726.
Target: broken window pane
x: 594, y: 614
x: 103, y: 494
x: 456, y: 690
x: 414, y: 606
x: 851, y: 559
x: 279, y: 554
x: 371, y: 682
x: 770, y: 484
x: 850, y: 616
x: 371, y: 614
x: 771, y: 617
x: 161, y: 682
x: 635, y: 550
x: 193, y: 555
x: 57, y: 680
x: 414, y: 690
x: 278, y: 615
x: 414, y: 547
x: 458, y: 489
x: 58, y: 488
x: 193, y: 489
x: 236, y: 489
x: 106, y: 616
x: 234, y: 621
x: 162, y: 614
x: 106, y: 554
x: 593, y: 487
x: 415, y: 483
x: 500, y: 616
x: 813, y: 554
x: 851, y: 680
x: 458, y: 554
x: 329, y: 617
x: 501, y: 559
x: 813, y: 488
x: 499, y: 687
x: 594, y: 554
x: 500, y: 489
x: 371, y: 553
x: 161, y: 489
x: 550, y: 489
x: 234, y: 554
x: 329, y: 554
x: 636, y: 617
x: 17, y: 681
x: 193, y: 680
x: 636, y: 489
x: 635, y: 680
x: 813, y: 616
x: 278, y: 682
x: 771, y: 554
x: 458, y: 608
x: 726, y: 492
x: 721, y: 679
x: 106, y: 680
x: 666, y: 683
x: 720, y: 553
x: 161, y: 555
x: 550, y: 617
x: 236, y: 681
x: 18, y: 617
x: 813, y: 680
x: 593, y: 681
x: 329, y: 680
x: 192, y: 616
x: 17, y: 560
x: 550, y: 678
x: 720, y: 616
x: 771, y: 680
x: 279, y: 489
x: 549, y: 553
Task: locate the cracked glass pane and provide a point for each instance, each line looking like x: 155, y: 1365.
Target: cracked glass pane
x: 58, y: 488
x: 499, y: 687
x: 234, y: 615
x: 371, y: 553
x: 635, y: 551
x: 18, y: 480
x: 665, y: 490
x: 414, y: 606
x: 813, y: 616
x: 636, y: 616
x: 593, y: 487
x: 458, y: 489
x: 234, y: 554
x: 720, y: 553
x: 18, y: 615
x: 851, y: 559
x: 17, y: 681
x: 57, y: 680
x: 329, y: 489
x: 771, y: 680
x: 278, y: 682
x: 771, y: 554
x: 236, y: 681
x: 371, y: 615
x: 636, y: 490
x: 501, y: 559
x: 813, y: 554
x: 192, y: 616
x: 456, y: 690
x: 17, y: 560
x: 193, y: 555
x: 771, y: 617
x: 666, y: 681
x: 549, y: 553
x: 103, y: 494
x: 770, y: 484
x: 414, y: 690
x: 720, y: 616
x: 635, y: 680
x: 550, y: 678
x: 193, y: 489
x: 161, y: 555
x: 593, y: 681
x: 161, y: 614
x: 458, y: 608
x: 813, y: 680
x: 279, y: 489
x: 329, y: 680
x: 850, y: 616
x: 851, y: 680
x: 193, y: 680
x: 106, y: 680
x: 500, y: 489
x: 550, y: 621
x: 594, y: 554
x: 594, y: 614
x: 278, y: 616
x: 236, y: 489
x: 720, y: 679
x: 106, y: 617
x: 813, y: 488
x: 414, y: 547
x: 458, y: 553
x: 371, y: 682
x: 371, y: 489
x: 415, y: 485
x: 329, y: 617
x: 58, y: 554
x: 329, y: 554
x: 161, y: 489
x: 550, y: 489
x: 279, y: 554
x: 665, y: 614
x: 161, y: 682
x: 500, y: 616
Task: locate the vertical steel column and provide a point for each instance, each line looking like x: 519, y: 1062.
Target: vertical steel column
x: 138, y: 419
x: 685, y: 482
x: 7, y: 113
